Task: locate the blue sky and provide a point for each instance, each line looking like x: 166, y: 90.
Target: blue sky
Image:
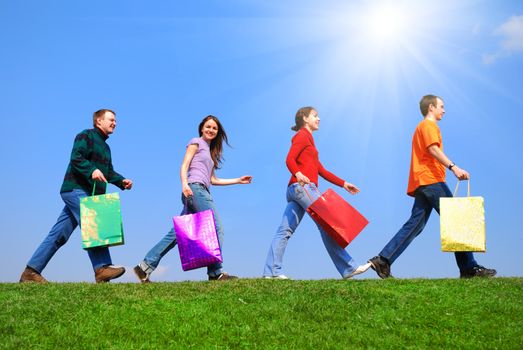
x: 163, y: 66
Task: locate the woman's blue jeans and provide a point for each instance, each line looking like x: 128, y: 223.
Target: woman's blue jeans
x: 200, y: 200
x: 298, y: 201
x: 425, y: 198
x: 68, y: 220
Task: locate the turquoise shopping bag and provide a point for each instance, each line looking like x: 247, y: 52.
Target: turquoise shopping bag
x: 101, y: 220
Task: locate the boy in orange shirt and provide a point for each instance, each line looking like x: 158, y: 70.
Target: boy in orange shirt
x: 427, y: 185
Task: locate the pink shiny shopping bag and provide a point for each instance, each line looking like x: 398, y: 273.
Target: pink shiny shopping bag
x: 197, y: 240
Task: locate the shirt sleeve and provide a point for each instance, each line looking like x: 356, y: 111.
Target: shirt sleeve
x: 194, y: 141
x: 327, y: 175
x: 299, y: 143
x: 430, y: 134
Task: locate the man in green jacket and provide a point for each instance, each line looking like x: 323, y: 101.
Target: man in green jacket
x: 90, y: 161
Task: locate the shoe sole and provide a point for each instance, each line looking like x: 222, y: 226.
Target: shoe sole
x: 111, y: 278
x: 476, y: 276
x: 228, y: 278
x: 32, y: 281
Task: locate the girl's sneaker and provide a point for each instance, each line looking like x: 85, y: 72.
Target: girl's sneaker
x: 359, y: 269
x: 279, y: 277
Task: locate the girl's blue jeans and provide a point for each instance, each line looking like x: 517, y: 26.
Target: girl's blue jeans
x: 297, y: 202
x: 200, y: 200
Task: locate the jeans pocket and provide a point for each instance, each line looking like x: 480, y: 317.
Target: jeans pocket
x: 194, y: 204
x: 188, y: 204
x: 299, y: 192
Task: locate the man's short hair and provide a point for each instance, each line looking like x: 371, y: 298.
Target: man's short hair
x: 100, y: 113
x: 426, y: 101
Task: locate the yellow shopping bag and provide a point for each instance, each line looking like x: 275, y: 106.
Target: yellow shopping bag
x: 462, y: 223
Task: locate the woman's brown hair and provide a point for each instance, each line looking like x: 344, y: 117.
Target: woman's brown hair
x: 216, y: 146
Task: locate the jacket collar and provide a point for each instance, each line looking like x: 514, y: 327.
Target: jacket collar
x: 100, y: 132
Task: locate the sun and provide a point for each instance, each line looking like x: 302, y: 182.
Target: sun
x: 387, y: 25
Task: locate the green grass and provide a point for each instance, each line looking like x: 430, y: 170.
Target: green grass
x: 265, y: 314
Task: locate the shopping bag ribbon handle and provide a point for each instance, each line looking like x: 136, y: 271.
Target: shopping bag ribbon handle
x: 316, y: 188
x: 456, y: 190
x: 94, y: 188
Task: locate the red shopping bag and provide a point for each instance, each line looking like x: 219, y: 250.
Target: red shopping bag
x: 337, y: 217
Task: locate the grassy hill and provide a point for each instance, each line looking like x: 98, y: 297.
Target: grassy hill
x: 265, y: 314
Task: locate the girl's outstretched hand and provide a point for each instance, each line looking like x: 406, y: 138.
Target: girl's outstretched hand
x: 245, y: 179
x: 350, y: 188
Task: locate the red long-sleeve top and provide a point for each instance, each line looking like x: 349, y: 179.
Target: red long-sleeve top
x: 303, y: 157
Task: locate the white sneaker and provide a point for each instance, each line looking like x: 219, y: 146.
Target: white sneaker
x: 359, y: 269
x: 279, y: 277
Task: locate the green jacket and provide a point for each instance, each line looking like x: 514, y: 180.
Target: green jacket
x: 90, y: 152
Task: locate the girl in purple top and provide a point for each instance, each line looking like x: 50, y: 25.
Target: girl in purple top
x: 202, y: 157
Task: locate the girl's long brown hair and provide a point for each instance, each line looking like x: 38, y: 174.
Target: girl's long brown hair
x: 216, y: 146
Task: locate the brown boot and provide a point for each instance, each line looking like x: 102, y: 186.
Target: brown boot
x: 30, y: 275
x: 107, y: 273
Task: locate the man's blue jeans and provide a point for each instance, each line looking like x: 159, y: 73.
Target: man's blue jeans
x: 298, y: 201
x: 426, y: 198
x: 200, y: 201
x: 68, y: 220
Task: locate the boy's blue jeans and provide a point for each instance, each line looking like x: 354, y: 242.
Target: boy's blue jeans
x: 68, y: 220
x: 426, y: 198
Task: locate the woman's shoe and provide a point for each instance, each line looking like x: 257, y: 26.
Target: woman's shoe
x: 360, y: 269
x: 278, y: 277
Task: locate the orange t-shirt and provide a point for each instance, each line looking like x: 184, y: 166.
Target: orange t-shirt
x: 424, y: 168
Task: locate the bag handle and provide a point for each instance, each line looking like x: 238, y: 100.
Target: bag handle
x: 456, y: 190
x: 316, y: 188
x: 94, y: 188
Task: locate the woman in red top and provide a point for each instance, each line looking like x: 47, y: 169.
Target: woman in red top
x: 305, y: 166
